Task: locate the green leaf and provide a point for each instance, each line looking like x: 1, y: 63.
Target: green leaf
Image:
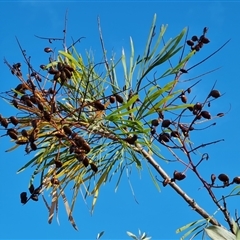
x: 132, y: 235
x: 100, y: 235
x: 219, y: 233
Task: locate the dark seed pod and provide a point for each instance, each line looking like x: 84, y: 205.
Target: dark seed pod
x: 24, y: 98
x: 189, y: 90
x: 190, y: 108
x: 23, y: 197
x: 13, y: 120
x: 34, y: 197
x: 184, y: 98
x: 69, y: 68
x: 200, y: 44
x: 183, y: 127
x: 153, y: 131
x: 15, y: 103
x: 47, y: 50
x: 194, y: 38
x: 79, y: 151
x: 86, y: 147
x: 131, y: 140
x: 68, y: 73
x: 28, y: 103
x: 206, y: 114
x: 67, y: 130
x: 197, y: 48
x: 197, y: 106
x: 175, y: 134
x: 17, y: 66
x: 213, y: 178
x: 60, y: 66
x: 24, y: 133
x: 220, y: 114
x: 112, y: 99
x: 53, y: 71
x: 81, y: 157
x: 190, y: 43
x: 33, y: 146
x: 94, y: 167
x: 46, y: 116
x: 31, y: 189
x: 38, y: 78
x: 56, y: 76
x: 63, y: 77
x: 166, y: 123
x: 205, y: 29
x: 205, y: 40
x: 12, y: 134
x: 224, y: 178
x: 178, y: 175
x: 4, y: 122
x: 214, y: 94
x: 71, y: 149
x: 166, y: 182
x: 155, y: 122
x: 21, y: 142
x: 59, y: 134
x: 98, y: 105
x: 58, y: 164
x: 43, y: 67
x: 85, y: 162
x: 236, y: 180
x: 164, y: 137
x: 34, y: 99
x: 51, y: 91
x: 119, y: 98
x: 34, y: 123
x: 183, y: 70
x: 54, y: 181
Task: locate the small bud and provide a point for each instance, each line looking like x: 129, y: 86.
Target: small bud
x: 206, y: 114
x: 47, y: 50
x: 166, y: 123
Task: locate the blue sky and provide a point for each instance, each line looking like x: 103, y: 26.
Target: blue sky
x: 158, y: 214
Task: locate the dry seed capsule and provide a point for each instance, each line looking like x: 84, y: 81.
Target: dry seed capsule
x: 86, y: 147
x: 34, y: 197
x: 236, y: 180
x: 12, y: 134
x: 119, y: 98
x: 33, y: 146
x: 155, y: 122
x: 206, y: 114
x: 184, y: 98
x: 15, y: 103
x: 166, y: 123
x: 23, y: 197
x: 56, y: 75
x: 24, y: 133
x: 67, y: 130
x: 46, y: 116
x: 58, y: 164
x: 214, y: 94
x: 28, y: 103
x: 194, y: 38
x: 94, y: 167
x: 213, y: 178
x: 112, y: 99
x: 47, y: 50
x: 164, y: 137
x: 69, y: 68
x: 224, y: 178
x: 131, y: 140
x: 31, y: 189
x: 85, y: 162
x: 60, y: 66
x: 53, y: 71
x: 43, y: 67
x: 13, y: 120
x: 205, y: 40
x: 67, y: 72
x: 98, y: 105
x: 178, y: 175
x: 4, y: 122
x: 190, y: 43
x: 175, y: 134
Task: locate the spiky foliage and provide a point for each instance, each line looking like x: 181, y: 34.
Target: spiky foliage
x: 87, y: 122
